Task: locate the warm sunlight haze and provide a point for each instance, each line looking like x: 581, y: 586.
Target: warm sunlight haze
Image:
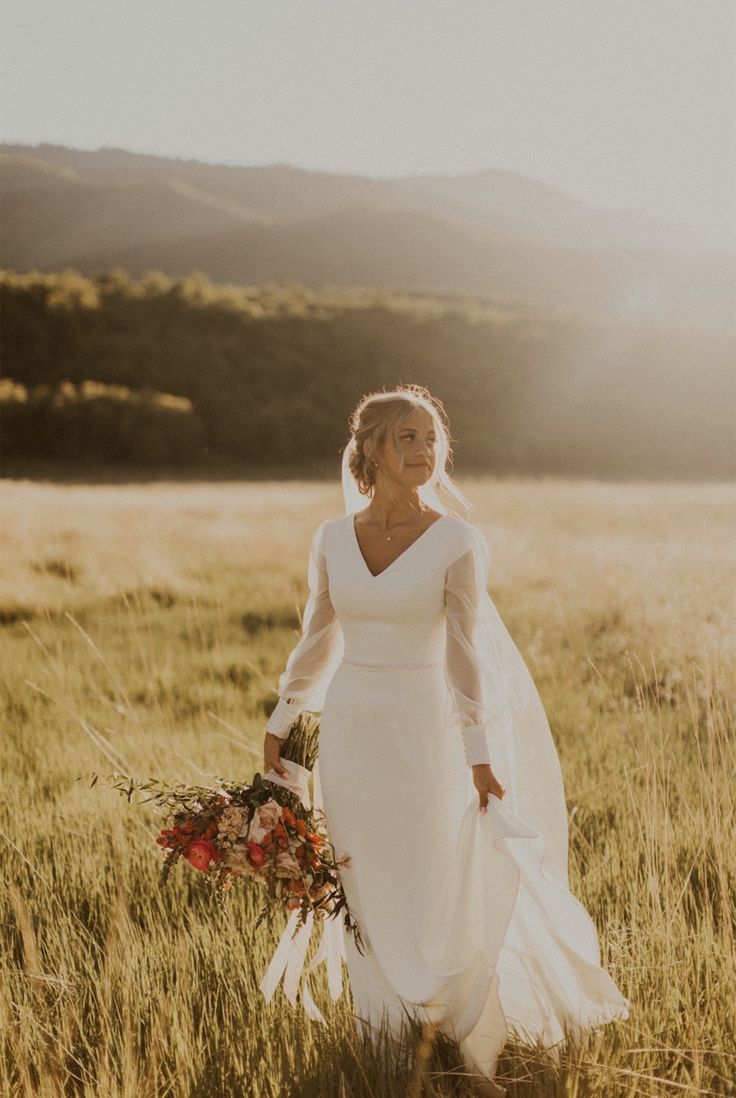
x: 368, y: 549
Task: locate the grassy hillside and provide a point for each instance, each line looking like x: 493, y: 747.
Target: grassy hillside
x: 161, y: 616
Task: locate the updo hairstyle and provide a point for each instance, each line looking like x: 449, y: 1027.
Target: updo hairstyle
x: 379, y: 415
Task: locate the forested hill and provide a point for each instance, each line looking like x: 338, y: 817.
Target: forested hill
x: 269, y: 375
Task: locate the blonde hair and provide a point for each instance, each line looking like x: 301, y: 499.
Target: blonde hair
x: 380, y: 414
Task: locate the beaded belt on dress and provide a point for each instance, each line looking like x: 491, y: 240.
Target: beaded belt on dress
x: 370, y: 664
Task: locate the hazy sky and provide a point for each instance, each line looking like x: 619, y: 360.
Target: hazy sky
x: 619, y: 102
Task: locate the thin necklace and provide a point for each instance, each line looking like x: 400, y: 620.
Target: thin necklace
x: 406, y: 522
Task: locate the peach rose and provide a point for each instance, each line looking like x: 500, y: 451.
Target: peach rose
x: 238, y: 864
x: 265, y: 819
x: 286, y: 865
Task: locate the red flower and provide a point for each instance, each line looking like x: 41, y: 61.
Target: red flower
x: 201, y: 852
x: 170, y: 836
x: 256, y: 854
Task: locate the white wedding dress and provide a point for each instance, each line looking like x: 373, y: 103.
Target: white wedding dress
x: 467, y: 918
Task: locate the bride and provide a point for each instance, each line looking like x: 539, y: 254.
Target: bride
x: 437, y: 772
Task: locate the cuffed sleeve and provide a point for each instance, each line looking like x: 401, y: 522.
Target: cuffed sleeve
x: 465, y: 587
x: 283, y: 716
x: 311, y: 662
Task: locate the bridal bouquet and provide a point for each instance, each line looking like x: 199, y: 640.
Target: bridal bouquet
x: 263, y: 831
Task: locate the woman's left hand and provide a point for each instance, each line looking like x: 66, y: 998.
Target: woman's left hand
x: 485, y: 781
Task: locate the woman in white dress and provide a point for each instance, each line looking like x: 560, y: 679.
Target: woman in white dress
x: 437, y: 771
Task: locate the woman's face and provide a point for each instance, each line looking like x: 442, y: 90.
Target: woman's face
x: 410, y: 459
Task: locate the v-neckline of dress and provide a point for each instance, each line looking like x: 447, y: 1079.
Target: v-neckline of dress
x: 377, y: 575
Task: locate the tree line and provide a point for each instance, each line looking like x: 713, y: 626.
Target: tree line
x: 162, y: 369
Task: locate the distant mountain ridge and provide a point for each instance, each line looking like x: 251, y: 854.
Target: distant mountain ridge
x: 492, y: 233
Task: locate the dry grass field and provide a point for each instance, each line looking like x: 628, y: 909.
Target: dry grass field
x: 144, y: 628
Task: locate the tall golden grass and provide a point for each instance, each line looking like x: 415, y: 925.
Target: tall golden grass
x: 144, y: 629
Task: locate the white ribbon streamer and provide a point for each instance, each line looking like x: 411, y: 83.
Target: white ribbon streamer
x: 291, y: 951
x: 288, y: 961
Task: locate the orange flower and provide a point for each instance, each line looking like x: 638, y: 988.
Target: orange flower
x: 256, y: 854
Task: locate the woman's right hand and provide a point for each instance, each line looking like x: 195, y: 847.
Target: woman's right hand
x: 271, y: 754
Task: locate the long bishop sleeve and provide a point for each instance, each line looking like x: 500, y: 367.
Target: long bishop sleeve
x: 465, y: 587
x: 312, y: 660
